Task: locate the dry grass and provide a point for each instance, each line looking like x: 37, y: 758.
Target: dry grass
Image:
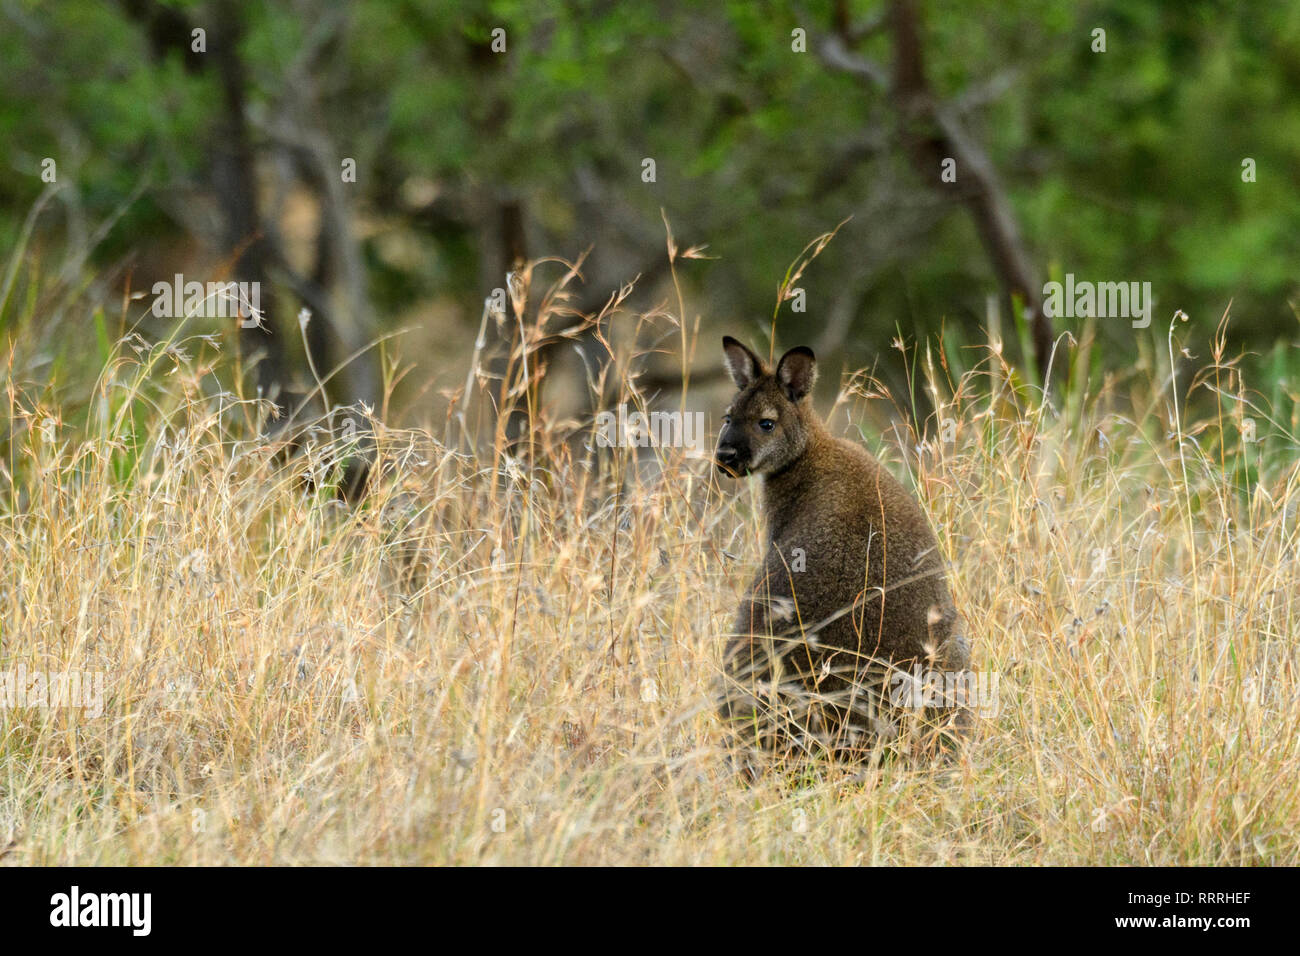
x: 501, y: 660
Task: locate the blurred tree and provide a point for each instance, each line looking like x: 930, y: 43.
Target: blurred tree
x: 486, y: 133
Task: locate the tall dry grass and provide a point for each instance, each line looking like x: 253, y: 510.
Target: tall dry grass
x: 507, y: 653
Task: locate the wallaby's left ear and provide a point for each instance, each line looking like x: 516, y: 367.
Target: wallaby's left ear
x: 742, y: 364
x: 797, y: 371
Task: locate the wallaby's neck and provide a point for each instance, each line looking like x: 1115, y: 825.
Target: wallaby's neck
x: 786, y: 492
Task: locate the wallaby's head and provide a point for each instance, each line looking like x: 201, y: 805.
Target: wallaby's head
x: 767, y: 424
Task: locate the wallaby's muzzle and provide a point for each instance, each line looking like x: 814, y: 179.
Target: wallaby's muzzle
x: 728, y: 460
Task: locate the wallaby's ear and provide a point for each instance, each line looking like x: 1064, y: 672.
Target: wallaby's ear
x: 742, y: 364
x: 796, y: 372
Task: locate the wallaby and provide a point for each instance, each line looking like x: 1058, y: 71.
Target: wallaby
x: 852, y: 600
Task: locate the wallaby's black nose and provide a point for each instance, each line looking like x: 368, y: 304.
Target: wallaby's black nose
x: 728, y: 460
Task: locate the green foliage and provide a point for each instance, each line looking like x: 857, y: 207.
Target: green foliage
x: 1121, y: 165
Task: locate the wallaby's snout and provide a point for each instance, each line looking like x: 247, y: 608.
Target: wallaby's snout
x: 728, y: 457
x: 766, y: 425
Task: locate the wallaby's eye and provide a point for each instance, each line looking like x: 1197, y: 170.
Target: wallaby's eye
x: 766, y: 424
x: 726, y: 419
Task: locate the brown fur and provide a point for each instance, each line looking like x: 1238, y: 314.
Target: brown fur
x: 811, y: 650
